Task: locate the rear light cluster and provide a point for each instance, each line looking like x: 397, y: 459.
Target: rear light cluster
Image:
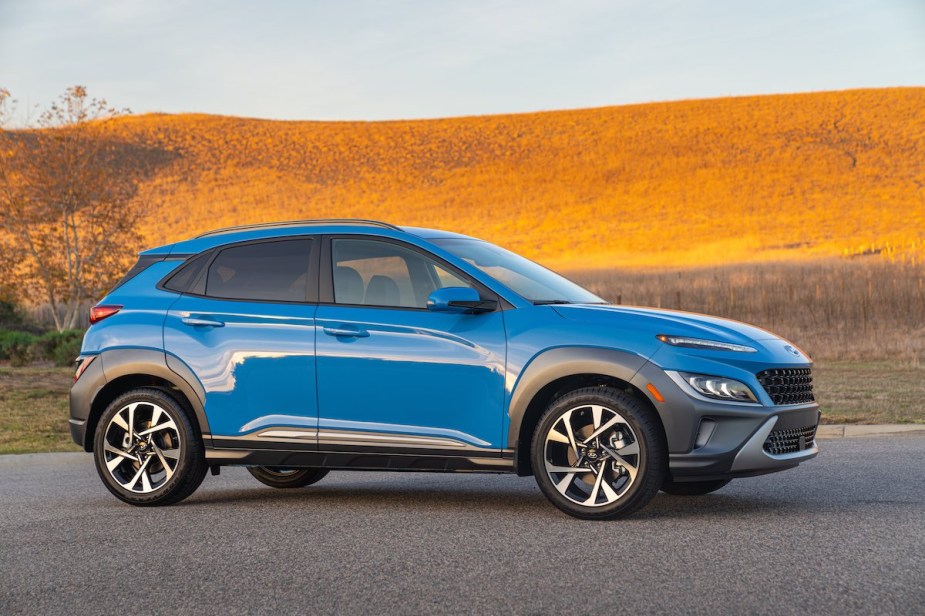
x: 98, y: 313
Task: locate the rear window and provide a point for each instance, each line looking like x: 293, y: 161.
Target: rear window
x: 185, y: 278
x: 265, y: 271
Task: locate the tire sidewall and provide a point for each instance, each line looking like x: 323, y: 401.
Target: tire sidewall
x: 651, y: 452
x: 188, y: 440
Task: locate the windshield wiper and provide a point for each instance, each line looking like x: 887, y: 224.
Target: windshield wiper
x: 547, y: 302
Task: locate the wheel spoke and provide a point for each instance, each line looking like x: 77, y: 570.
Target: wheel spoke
x: 597, y: 488
x: 117, y: 419
x: 115, y: 450
x: 160, y: 456
x: 167, y: 424
x: 630, y: 450
x: 173, y: 454
x: 138, y: 475
x: 567, y: 420
x: 632, y: 470
x: 555, y: 435
x: 596, y: 413
x: 607, y: 426
x: 567, y: 469
x: 145, y: 479
x: 563, y: 485
x: 131, y: 419
x: 608, y: 491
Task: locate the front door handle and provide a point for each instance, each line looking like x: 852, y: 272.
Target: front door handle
x: 346, y: 331
x: 192, y: 321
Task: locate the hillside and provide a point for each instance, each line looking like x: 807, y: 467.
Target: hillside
x: 684, y: 183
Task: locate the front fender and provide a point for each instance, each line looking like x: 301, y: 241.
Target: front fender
x: 561, y: 362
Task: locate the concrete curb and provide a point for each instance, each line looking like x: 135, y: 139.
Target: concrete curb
x: 855, y: 430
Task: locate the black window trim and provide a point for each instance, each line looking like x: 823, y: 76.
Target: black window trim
x: 326, y: 273
x: 311, y: 290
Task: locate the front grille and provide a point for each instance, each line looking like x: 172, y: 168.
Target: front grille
x: 789, y: 441
x: 788, y: 385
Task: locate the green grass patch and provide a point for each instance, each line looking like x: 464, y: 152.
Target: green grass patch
x: 34, y: 410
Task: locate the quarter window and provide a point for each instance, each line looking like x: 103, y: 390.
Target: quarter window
x: 267, y: 271
x: 373, y: 273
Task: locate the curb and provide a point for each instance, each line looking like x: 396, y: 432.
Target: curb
x: 855, y: 430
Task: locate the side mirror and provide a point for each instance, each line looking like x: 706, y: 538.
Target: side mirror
x: 459, y: 299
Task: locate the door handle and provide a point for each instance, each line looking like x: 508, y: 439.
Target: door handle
x: 346, y: 331
x: 201, y: 322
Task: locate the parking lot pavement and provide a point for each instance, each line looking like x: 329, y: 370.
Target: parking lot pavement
x: 844, y: 533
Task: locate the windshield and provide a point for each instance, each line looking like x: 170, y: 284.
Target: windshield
x: 526, y: 278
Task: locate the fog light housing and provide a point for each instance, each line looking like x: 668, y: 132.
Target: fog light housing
x: 721, y: 388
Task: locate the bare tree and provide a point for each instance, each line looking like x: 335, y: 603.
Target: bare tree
x: 67, y: 206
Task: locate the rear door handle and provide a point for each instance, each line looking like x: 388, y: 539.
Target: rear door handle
x: 194, y: 322
x: 346, y: 331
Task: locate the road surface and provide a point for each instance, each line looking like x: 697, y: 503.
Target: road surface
x: 844, y: 533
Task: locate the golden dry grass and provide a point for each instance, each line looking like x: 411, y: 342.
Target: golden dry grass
x: 860, y: 308
x: 700, y: 182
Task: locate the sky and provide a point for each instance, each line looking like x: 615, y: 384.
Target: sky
x: 368, y: 60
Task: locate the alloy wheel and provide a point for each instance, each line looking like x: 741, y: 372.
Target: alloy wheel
x: 591, y: 455
x: 141, y: 447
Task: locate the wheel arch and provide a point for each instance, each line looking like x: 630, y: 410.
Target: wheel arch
x: 559, y: 371
x: 127, y: 369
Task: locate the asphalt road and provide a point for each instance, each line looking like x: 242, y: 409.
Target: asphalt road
x: 842, y: 534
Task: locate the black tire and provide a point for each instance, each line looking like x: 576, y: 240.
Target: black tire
x: 284, y: 478
x: 652, y: 457
x: 692, y: 488
x: 190, y: 466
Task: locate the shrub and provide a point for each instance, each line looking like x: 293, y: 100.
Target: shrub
x: 15, y: 346
x: 59, y: 347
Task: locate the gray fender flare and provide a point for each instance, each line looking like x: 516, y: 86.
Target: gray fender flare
x: 561, y: 362
x: 124, y: 362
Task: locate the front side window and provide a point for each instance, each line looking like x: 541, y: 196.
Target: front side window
x: 374, y: 273
x: 530, y: 280
x: 266, y: 271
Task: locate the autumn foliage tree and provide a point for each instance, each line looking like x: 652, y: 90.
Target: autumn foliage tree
x: 67, y: 209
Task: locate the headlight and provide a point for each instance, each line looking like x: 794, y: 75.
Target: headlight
x: 698, y: 343
x: 720, y: 388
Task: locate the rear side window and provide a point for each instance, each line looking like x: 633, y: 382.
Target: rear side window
x: 143, y: 263
x: 188, y: 274
x: 266, y: 271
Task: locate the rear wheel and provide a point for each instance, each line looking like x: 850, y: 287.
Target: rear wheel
x: 598, y: 453
x: 692, y: 488
x: 146, y: 449
x: 280, y: 477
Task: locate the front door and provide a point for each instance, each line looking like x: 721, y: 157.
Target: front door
x: 249, y: 337
x: 393, y: 375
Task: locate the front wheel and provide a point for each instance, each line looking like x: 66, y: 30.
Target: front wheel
x: 692, y: 488
x: 599, y: 453
x: 279, y: 477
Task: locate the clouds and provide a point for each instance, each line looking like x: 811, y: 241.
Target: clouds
x: 420, y: 58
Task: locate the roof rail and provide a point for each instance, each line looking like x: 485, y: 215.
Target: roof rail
x: 299, y: 223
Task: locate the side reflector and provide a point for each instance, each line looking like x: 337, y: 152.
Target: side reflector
x: 98, y: 313
x: 82, y: 363
x: 655, y: 393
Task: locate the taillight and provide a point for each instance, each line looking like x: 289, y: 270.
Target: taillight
x: 98, y: 313
x: 82, y: 363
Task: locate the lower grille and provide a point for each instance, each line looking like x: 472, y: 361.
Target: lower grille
x: 790, y: 441
x: 788, y: 385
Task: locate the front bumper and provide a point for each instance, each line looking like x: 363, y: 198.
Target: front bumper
x: 716, y: 440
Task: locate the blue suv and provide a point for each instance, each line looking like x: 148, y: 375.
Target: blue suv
x: 300, y: 347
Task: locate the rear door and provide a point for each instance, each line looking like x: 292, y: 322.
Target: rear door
x: 245, y: 327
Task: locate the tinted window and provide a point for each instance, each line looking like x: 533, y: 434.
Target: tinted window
x: 371, y: 273
x: 188, y: 273
x: 275, y: 271
x: 526, y: 278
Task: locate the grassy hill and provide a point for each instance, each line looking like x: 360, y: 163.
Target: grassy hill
x: 684, y: 183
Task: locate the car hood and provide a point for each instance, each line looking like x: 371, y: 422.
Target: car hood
x: 670, y: 322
